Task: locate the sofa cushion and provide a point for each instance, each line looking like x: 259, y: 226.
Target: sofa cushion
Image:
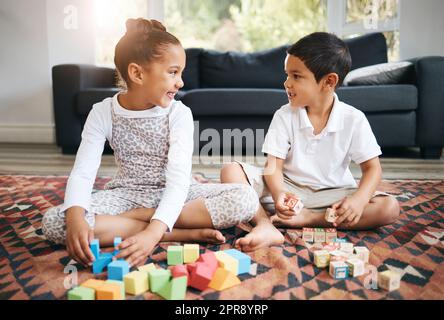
x: 190, y: 75
x: 86, y: 98
x: 367, y: 50
x: 262, y: 69
x: 383, y: 73
x: 216, y: 102
x: 401, y: 97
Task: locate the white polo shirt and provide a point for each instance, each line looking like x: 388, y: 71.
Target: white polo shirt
x: 321, y: 161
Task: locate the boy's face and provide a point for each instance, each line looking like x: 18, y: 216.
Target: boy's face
x: 301, y: 86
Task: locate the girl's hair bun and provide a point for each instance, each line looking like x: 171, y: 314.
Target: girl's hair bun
x: 143, y: 26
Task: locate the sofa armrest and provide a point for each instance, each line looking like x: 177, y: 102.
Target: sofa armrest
x: 429, y: 75
x: 67, y: 81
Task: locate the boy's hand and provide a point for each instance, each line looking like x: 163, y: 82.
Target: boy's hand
x: 282, y: 210
x: 78, y: 238
x: 349, y: 211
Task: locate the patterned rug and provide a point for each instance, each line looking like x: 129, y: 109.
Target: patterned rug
x: 33, y: 268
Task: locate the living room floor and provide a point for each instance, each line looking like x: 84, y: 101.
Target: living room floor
x: 47, y: 159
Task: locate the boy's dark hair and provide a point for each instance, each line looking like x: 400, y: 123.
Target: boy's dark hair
x: 323, y: 53
x: 142, y: 43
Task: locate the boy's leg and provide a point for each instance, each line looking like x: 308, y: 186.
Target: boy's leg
x: 380, y: 211
x: 264, y: 233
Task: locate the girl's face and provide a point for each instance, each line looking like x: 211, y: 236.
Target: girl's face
x: 162, y: 79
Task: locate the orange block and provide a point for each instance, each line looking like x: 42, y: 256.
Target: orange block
x: 109, y: 291
x: 223, y: 279
x: 93, y: 284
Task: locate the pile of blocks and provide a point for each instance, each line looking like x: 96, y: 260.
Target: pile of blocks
x: 215, y: 270
x: 319, y: 235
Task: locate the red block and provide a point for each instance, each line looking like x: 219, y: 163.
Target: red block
x: 191, y: 267
x: 201, y: 276
x: 180, y: 270
x: 209, y: 258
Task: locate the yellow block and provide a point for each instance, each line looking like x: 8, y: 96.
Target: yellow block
x: 227, y: 262
x: 136, y: 282
x: 109, y: 291
x: 190, y: 253
x: 223, y: 279
x: 147, y: 268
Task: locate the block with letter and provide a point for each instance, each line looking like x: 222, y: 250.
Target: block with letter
x: 158, y: 278
x: 330, y: 235
x: 356, y: 267
x: 308, y: 234
x: 294, y: 203
x: 362, y: 253
x: 81, y: 293
x: 319, y: 235
x: 321, y: 258
x: 244, y: 260
x: 118, y: 269
x: 174, y: 255
x: 330, y: 215
x: 223, y: 279
x: 346, y: 247
x: 338, y: 269
x: 190, y: 253
x: 389, y: 280
x: 136, y: 282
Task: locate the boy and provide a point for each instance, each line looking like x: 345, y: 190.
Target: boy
x: 309, y: 146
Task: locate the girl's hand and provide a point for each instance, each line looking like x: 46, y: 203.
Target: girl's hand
x: 282, y: 210
x: 349, y: 211
x: 78, y: 237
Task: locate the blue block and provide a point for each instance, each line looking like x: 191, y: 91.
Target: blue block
x: 117, y: 241
x: 95, y: 248
x: 100, y: 263
x: 244, y: 260
x: 117, y: 269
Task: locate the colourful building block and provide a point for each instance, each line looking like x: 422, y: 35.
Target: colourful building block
x: 209, y: 258
x: 147, y: 268
x: 158, y: 278
x: 179, y: 270
x: 120, y: 284
x: 201, y: 276
x: 175, y: 289
x: 117, y: 241
x: 346, y: 247
x: 190, y: 253
x: 389, y: 280
x: 136, y: 282
x: 356, y: 267
x: 330, y: 215
x: 191, y: 267
x: 330, y: 235
x: 95, y: 248
x: 243, y: 259
x: 362, y: 253
x: 81, y: 293
x: 338, y: 270
x: 174, y: 255
x: 319, y: 235
x: 223, y: 279
x: 308, y: 234
x: 109, y: 291
x: 117, y: 269
x: 321, y: 258
x: 227, y: 262
x: 101, y: 263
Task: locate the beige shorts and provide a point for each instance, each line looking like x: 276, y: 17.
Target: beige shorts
x: 314, y: 199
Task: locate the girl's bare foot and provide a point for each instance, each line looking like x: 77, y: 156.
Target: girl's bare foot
x: 262, y: 235
x: 196, y: 235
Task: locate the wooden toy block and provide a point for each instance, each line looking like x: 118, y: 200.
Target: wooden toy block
x: 356, y: 267
x: 117, y: 269
x: 179, y: 270
x: 244, y: 261
x: 319, y: 235
x: 95, y: 248
x: 147, y: 268
x: 330, y: 235
x: 331, y: 246
x: 227, y: 262
x: 338, y: 255
x: 209, y: 258
x: 346, y: 247
x: 340, y: 240
x: 81, y: 293
x: 362, y: 253
x: 101, y: 263
x: 201, y: 276
x: 338, y: 269
x: 308, y: 234
x: 136, y: 282
x: 295, y: 204
x: 117, y: 241
x: 175, y: 289
x: 174, y: 255
x: 120, y: 284
x: 109, y: 291
x: 389, y: 280
x: 158, y: 278
x: 321, y: 258
x: 190, y: 253
x: 330, y: 215
x: 223, y: 279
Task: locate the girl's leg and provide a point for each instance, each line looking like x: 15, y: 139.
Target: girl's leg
x: 264, y: 233
x: 381, y: 210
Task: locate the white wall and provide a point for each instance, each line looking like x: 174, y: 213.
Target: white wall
x: 421, y: 28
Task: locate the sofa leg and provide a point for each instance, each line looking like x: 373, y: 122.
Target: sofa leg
x: 431, y: 152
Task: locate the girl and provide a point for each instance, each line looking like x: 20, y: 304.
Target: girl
x: 152, y: 138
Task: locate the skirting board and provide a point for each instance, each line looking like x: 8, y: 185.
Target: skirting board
x: 27, y: 133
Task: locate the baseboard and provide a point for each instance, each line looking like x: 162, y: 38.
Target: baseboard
x: 27, y: 133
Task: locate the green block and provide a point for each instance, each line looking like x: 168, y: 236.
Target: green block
x: 120, y: 283
x: 175, y: 255
x: 176, y: 289
x: 158, y: 279
x: 81, y: 293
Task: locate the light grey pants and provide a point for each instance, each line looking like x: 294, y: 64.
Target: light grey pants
x: 228, y: 205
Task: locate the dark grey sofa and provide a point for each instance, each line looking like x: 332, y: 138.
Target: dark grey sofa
x: 229, y: 90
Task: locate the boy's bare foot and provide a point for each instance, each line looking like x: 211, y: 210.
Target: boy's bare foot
x: 262, y: 235
x: 196, y: 235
